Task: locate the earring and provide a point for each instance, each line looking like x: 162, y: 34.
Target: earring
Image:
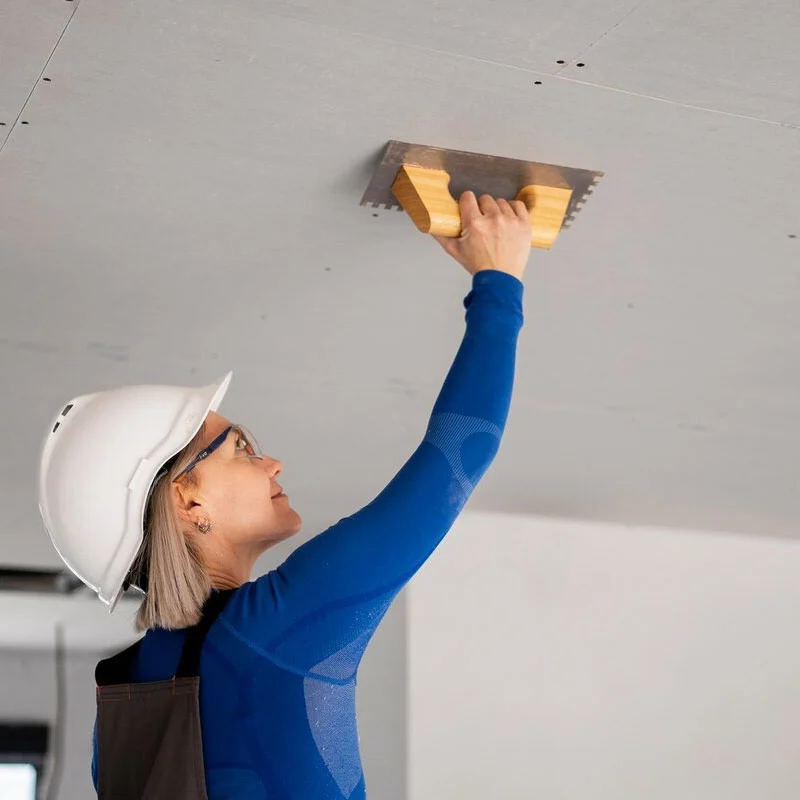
x: 203, y: 527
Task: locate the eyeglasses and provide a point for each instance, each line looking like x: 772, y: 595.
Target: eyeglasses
x: 246, y: 445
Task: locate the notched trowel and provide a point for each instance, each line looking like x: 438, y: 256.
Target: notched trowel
x: 425, y: 182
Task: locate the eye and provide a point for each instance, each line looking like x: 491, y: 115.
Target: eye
x: 243, y: 446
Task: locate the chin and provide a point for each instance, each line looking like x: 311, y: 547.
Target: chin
x: 293, y: 525
x: 297, y: 526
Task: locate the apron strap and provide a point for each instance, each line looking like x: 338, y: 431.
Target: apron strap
x: 189, y: 665
x: 117, y: 669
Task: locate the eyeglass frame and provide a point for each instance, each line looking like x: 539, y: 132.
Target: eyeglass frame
x: 216, y: 444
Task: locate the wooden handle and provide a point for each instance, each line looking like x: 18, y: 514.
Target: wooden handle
x: 424, y: 195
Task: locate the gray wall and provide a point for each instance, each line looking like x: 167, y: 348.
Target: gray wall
x: 382, y: 703
x: 28, y: 694
x: 569, y: 661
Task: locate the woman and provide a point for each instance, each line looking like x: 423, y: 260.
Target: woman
x: 150, y: 486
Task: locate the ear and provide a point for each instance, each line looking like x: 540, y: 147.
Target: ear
x: 186, y: 499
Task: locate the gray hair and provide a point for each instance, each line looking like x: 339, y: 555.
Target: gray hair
x: 168, y: 567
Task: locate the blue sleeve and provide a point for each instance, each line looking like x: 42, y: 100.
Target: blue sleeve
x: 94, y: 755
x: 319, y: 609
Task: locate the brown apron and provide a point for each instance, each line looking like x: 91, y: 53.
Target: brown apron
x: 149, y: 744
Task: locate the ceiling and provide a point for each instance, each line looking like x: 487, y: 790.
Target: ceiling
x: 179, y: 196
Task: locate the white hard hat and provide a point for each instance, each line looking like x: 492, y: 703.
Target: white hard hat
x: 99, y: 459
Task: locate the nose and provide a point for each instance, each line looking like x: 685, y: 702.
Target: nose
x: 272, y: 466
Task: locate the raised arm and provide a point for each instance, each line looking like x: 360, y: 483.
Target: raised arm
x: 322, y: 605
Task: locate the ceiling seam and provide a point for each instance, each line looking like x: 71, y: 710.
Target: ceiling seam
x: 603, y: 35
x: 38, y: 78
x: 680, y: 103
x: 537, y: 73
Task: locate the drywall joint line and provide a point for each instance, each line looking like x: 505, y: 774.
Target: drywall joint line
x: 681, y: 104
x: 602, y: 36
x: 39, y: 77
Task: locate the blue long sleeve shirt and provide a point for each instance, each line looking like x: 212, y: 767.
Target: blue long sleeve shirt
x: 278, y: 668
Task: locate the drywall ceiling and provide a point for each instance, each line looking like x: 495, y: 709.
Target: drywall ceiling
x: 179, y: 196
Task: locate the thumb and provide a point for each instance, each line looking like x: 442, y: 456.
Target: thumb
x: 445, y: 241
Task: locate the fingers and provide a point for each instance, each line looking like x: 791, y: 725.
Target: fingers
x: 484, y: 206
x: 468, y: 207
x: 521, y: 210
x: 488, y: 206
x: 515, y: 208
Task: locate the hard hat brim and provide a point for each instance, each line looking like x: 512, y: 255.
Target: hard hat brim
x: 203, y: 401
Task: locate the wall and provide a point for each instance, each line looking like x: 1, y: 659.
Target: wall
x: 569, y: 661
x: 28, y: 694
x: 381, y: 706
